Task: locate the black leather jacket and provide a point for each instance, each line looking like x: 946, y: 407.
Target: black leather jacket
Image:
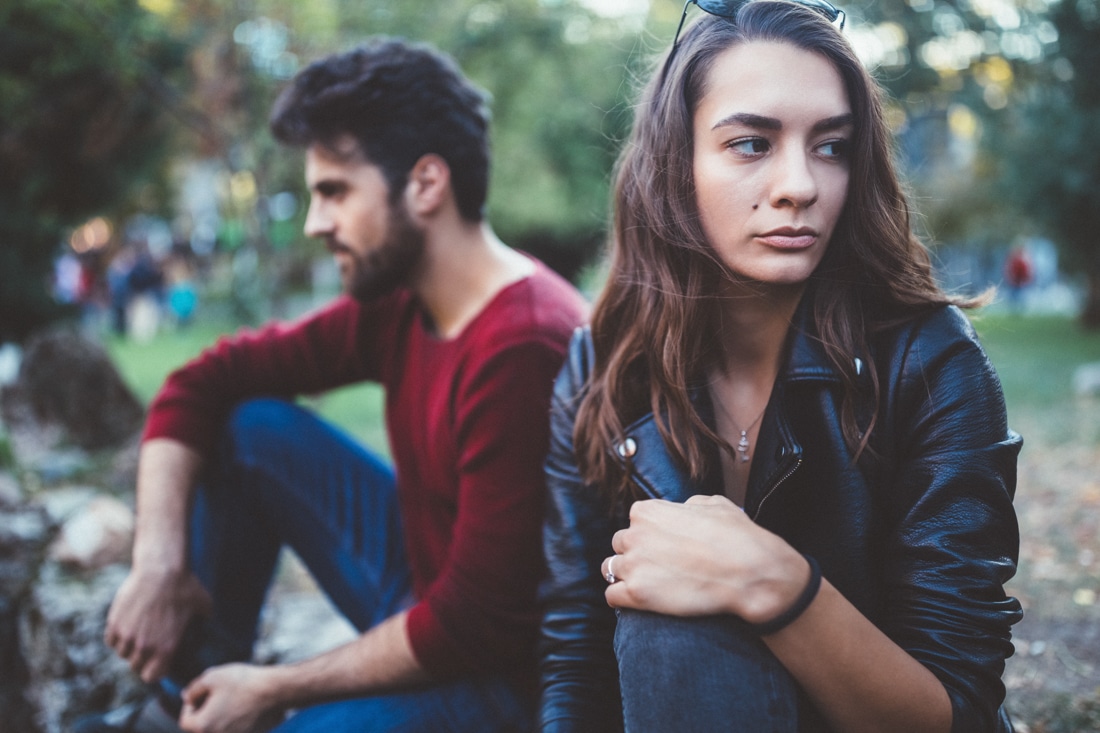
x: 920, y: 542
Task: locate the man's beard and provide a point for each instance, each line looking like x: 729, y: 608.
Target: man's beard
x: 391, y: 265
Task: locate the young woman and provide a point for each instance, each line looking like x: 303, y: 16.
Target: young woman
x: 780, y: 476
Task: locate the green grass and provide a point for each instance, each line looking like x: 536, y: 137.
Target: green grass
x: 1035, y: 356
x: 144, y: 367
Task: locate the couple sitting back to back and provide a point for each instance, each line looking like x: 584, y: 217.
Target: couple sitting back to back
x: 768, y: 489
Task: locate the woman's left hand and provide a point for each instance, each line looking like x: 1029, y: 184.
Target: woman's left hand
x: 704, y: 556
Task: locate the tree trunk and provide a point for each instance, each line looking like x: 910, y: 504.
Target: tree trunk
x: 1090, y: 315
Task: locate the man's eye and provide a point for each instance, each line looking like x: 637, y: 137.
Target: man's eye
x: 329, y: 190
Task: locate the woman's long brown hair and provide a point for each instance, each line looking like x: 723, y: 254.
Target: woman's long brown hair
x: 654, y: 322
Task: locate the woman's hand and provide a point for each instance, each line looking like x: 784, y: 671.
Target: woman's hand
x: 702, y: 557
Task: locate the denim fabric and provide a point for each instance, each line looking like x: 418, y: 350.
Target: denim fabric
x: 484, y: 706
x: 699, y: 675
x: 285, y: 477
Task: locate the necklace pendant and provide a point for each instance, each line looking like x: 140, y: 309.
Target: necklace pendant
x: 743, y: 446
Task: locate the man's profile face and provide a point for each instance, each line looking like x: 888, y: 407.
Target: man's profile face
x: 376, y: 245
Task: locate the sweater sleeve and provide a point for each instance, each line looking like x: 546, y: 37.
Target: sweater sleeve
x: 955, y: 540
x: 321, y: 351
x: 480, y: 612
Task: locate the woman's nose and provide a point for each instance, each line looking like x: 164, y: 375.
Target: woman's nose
x: 794, y: 183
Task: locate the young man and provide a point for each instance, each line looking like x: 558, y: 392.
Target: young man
x: 437, y: 567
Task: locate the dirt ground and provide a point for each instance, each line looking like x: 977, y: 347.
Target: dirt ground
x: 1053, y: 680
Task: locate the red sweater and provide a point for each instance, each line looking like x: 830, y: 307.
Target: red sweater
x: 467, y: 421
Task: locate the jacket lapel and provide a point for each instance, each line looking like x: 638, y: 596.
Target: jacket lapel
x: 652, y: 469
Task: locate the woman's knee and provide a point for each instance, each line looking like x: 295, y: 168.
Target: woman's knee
x: 728, y: 673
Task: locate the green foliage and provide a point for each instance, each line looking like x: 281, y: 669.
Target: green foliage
x: 82, y: 125
x: 1049, y: 147
x: 7, y: 457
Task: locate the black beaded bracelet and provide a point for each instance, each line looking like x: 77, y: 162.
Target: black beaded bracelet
x: 797, y: 608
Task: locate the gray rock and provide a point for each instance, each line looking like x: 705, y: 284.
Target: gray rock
x: 298, y: 625
x: 67, y: 381
x: 63, y: 502
x: 98, y: 535
x: 70, y: 671
x: 24, y: 532
x: 11, y: 492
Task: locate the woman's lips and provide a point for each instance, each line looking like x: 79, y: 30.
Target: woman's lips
x: 789, y: 239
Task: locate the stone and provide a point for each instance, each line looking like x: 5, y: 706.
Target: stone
x: 10, y: 356
x: 70, y: 670
x: 98, y: 535
x: 59, y: 464
x: 298, y: 625
x: 68, y: 381
x: 24, y: 531
x: 63, y: 502
x: 11, y: 493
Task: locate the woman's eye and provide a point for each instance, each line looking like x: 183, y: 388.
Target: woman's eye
x: 749, y: 146
x: 834, y: 149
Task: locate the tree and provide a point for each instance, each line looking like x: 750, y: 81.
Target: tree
x: 1050, y: 147
x: 81, y: 127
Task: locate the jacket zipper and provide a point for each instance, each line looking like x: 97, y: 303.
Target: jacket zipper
x: 787, y: 475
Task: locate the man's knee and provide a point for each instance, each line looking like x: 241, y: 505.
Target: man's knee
x: 262, y: 424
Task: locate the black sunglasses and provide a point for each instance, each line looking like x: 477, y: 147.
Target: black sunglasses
x: 728, y: 9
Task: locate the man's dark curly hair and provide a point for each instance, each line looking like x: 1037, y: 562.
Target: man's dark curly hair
x: 399, y: 101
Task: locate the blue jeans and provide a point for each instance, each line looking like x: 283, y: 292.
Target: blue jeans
x: 700, y: 675
x: 284, y: 477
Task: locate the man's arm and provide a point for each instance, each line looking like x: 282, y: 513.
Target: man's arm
x: 236, y: 698
x: 318, y: 352
x: 160, y: 595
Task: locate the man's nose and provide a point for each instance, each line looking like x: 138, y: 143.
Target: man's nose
x: 318, y: 222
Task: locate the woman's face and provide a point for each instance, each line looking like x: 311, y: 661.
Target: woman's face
x: 771, y: 166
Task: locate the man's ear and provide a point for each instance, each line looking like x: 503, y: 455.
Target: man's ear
x: 429, y: 185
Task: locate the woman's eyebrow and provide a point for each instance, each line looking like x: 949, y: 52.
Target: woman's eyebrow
x: 749, y: 120
x: 834, y: 123
x: 760, y: 122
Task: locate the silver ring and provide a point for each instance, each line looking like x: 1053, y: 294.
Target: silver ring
x: 610, y: 577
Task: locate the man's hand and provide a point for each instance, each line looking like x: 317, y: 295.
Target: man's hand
x: 229, y: 699
x: 148, y: 617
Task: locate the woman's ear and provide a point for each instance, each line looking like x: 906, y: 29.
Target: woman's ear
x: 429, y: 185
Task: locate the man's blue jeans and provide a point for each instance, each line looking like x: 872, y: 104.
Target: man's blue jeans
x: 700, y: 675
x: 283, y: 476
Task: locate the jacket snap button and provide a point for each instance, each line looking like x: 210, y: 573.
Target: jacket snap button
x: 628, y: 448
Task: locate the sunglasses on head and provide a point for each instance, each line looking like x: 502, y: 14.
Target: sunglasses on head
x: 728, y: 9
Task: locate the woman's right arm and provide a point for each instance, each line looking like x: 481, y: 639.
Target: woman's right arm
x: 578, y: 673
